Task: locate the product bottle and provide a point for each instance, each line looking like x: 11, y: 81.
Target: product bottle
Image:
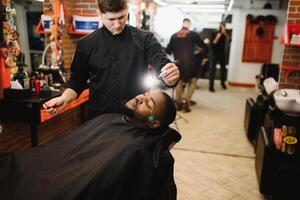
x: 37, y: 86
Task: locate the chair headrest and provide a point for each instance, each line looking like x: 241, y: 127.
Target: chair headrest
x: 171, y: 135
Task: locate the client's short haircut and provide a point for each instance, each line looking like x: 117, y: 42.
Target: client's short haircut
x: 112, y: 5
x: 168, y: 114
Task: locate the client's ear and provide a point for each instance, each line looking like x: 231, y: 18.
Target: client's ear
x: 154, y: 124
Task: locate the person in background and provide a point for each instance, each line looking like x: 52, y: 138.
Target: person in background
x: 218, y: 56
x: 184, y: 44
x: 113, y: 156
x: 112, y: 62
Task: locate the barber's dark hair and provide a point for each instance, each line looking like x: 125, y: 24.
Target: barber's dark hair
x: 168, y: 114
x: 222, y: 23
x: 186, y: 20
x: 112, y: 5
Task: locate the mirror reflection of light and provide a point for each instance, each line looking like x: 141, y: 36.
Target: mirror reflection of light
x: 150, y: 81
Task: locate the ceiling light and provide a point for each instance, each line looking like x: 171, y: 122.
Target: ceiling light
x: 161, y: 3
x: 209, y: 1
x: 230, y: 5
x: 196, y: 10
x: 199, y: 6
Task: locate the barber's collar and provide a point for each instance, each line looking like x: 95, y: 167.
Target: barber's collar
x: 118, y: 35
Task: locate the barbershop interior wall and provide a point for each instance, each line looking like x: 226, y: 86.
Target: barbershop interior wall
x: 240, y: 72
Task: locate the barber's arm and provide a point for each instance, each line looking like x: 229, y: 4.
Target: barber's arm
x: 170, y: 47
x: 58, y: 103
x: 203, y: 49
x: 169, y: 72
x: 76, y: 84
x: 216, y: 39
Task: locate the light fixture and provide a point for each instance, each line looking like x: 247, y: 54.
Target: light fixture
x: 161, y: 3
x: 40, y: 0
x: 197, y: 6
x: 208, y: 1
x: 203, y: 10
x: 230, y: 5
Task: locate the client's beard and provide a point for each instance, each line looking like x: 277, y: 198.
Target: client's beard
x: 125, y: 110
x: 130, y: 113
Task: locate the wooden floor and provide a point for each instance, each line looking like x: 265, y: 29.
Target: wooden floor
x: 214, y: 159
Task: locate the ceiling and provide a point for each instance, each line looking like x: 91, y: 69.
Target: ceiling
x: 211, y: 12
x: 220, y: 6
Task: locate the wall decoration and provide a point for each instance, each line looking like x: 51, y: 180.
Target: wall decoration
x: 259, y: 36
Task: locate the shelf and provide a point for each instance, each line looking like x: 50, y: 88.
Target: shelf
x: 289, y: 69
x: 289, y: 30
x: 72, y: 28
x: 40, y: 30
x: 73, y: 32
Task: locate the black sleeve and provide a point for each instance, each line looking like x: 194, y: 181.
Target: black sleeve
x: 155, y: 54
x: 79, y: 70
x: 170, y: 46
x: 201, y: 44
x: 213, y: 35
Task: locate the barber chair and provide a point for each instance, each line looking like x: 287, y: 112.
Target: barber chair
x: 277, y: 161
x: 267, y: 70
x: 169, y: 138
x: 250, y: 119
x: 255, y: 115
x: 255, y: 111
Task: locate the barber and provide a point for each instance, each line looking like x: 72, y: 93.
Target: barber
x: 112, y: 62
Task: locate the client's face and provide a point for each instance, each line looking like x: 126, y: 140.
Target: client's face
x: 147, y: 107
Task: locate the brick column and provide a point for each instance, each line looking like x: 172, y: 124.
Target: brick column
x: 291, y: 55
x: 72, y: 7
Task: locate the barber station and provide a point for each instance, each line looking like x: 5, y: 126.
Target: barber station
x: 149, y: 99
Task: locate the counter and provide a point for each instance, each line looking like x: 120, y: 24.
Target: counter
x: 28, y: 111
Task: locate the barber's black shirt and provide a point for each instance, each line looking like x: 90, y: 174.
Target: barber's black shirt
x: 183, y: 45
x: 219, y: 47
x: 115, y: 66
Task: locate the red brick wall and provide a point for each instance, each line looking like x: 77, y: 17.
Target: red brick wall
x: 291, y: 55
x: 16, y: 136
x: 69, y: 41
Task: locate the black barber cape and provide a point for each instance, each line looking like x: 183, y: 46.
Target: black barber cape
x: 107, y: 158
x: 115, y: 66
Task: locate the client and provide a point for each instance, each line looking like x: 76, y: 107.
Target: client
x: 111, y: 157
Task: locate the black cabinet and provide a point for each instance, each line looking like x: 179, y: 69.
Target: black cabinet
x: 25, y: 110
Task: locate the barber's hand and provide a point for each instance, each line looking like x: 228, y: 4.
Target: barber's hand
x: 223, y: 29
x: 54, y: 105
x: 170, y: 74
